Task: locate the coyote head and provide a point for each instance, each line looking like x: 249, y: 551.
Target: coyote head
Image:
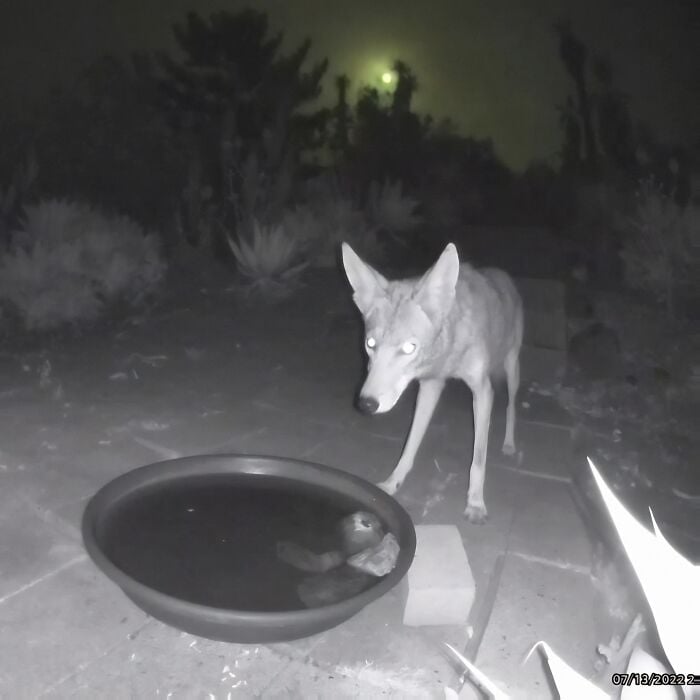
x: 403, y: 319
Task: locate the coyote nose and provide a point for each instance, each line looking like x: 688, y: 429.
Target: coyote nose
x: 367, y: 404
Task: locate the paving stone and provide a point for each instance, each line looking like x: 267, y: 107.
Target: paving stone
x: 44, y: 484
x: 67, y: 519
x: 538, y: 602
x: 535, y: 407
x: 544, y: 451
x: 366, y: 680
x: 59, y: 624
x: 100, y: 466
x: 441, y: 498
x: 330, y: 404
x: 547, y: 525
x: 30, y: 546
x: 159, y: 661
x: 376, y: 636
x: 284, y: 435
x: 353, y: 450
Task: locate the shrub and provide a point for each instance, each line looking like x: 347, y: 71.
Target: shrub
x: 660, y: 243
x: 270, y: 260
x: 388, y: 209
x: 67, y: 262
x: 329, y: 215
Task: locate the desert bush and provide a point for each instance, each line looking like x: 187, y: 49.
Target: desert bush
x: 660, y: 243
x: 331, y: 213
x: 269, y: 258
x: 68, y: 262
x: 390, y: 210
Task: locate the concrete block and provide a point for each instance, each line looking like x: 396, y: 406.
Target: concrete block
x: 545, y: 312
x: 440, y: 582
x: 542, y: 365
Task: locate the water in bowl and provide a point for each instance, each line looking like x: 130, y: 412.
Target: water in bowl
x: 212, y: 540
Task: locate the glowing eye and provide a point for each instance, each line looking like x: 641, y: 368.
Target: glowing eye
x: 408, y: 348
x: 371, y: 343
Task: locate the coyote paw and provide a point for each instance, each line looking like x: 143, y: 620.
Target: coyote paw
x: 508, y: 449
x: 476, y: 514
x: 390, y: 486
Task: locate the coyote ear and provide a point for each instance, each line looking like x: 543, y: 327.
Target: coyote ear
x: 436, y: 290
x: 367, y: 283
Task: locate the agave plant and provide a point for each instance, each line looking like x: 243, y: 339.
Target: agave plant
x: 270, y: 259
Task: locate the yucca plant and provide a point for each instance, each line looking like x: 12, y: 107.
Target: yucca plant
x: 270, y: 259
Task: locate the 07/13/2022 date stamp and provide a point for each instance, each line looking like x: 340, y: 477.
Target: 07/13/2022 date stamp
x: 656, y: 679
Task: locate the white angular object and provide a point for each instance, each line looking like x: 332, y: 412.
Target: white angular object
x: 440, y: 582
x: 570, y: 683
x: 670, y: 582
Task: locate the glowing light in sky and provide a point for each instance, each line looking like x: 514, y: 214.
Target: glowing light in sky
x: 387, y: 77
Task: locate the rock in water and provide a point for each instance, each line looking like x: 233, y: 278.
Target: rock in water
x: 378, y: 560
x: 332, y: 587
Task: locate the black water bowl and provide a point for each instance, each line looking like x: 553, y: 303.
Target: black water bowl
x: 192, y: 542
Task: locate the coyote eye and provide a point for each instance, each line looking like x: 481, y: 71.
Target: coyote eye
x: 408, y: 348
x: 371, y: 343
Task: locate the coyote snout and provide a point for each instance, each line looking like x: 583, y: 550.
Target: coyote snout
x: 387, y: 376
x: 454, y: 321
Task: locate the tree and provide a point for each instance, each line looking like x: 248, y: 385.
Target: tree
x: 242, y: 101
x: 613, y: 118
x: 388, y: 138
x: 406, y: 86
x: 342, y: 117
x: 574, y: 56
x: 571, y: 150
x: 104, y: 137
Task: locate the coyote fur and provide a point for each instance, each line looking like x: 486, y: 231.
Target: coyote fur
x: 453, y: 322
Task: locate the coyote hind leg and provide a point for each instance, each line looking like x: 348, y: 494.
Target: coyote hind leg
x: 512, y: 368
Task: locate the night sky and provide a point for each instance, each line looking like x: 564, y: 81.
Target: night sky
x: 490, y: 65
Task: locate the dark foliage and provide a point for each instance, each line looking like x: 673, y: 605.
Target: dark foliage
x: 243, y: 104
x: 105, y: 140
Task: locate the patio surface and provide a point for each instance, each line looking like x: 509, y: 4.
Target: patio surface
x: 207, y: 372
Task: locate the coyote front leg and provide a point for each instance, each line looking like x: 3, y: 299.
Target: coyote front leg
x: 429, y: 391
x: 482, y: 393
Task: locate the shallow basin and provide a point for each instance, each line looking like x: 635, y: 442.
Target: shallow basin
x: 192, y: 542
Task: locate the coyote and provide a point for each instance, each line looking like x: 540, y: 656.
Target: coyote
x: 453, y: 322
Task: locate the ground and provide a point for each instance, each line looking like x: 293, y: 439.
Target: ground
x: 206, y: 371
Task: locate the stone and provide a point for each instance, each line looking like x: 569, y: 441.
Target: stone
x: 440, y: 582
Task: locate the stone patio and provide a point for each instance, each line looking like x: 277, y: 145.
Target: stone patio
x: 212, y: 374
